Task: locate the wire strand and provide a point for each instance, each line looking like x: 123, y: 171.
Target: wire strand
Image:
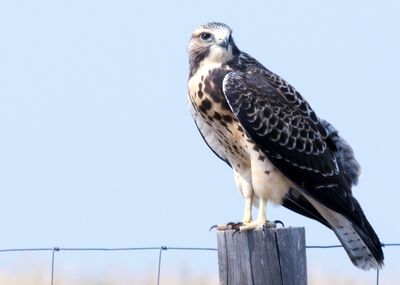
x: 160, y: 250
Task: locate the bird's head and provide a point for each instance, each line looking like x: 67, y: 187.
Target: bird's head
x: 211, y: 43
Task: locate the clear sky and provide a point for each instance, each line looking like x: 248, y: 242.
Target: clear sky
x: 97, y: 146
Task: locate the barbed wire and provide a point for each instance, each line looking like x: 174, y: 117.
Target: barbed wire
x: 160, y: 250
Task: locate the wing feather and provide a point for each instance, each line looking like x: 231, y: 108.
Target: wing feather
x: 306, y: 150
x: 285, y: 130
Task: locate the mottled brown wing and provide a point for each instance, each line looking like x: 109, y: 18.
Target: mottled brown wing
x: 290, y: 135
x: 293, y: 138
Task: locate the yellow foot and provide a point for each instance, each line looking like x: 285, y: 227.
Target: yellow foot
x: 257, y: 225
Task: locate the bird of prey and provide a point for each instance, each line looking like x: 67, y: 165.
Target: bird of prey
x: 278, y: 148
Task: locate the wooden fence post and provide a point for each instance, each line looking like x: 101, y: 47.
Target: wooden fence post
x: 262, y: 257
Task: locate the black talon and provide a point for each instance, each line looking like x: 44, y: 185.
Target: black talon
x: 236, y: 227
x: 238, y: 224
x: 279, y: 222
x: 213, y: 227
x: 236, y: 231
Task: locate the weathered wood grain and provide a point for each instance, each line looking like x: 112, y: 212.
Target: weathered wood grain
x: 262, y: 257
x: 292, y: 255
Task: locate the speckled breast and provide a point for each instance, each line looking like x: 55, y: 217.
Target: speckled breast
x: 214, y: 118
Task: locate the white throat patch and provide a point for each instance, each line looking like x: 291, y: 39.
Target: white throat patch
x: 218, y: 54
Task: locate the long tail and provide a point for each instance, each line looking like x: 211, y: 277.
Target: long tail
x: 358, y: 239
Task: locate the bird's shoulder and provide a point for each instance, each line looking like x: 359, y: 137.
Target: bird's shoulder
x: 271, y: 83
x: 278, y: 118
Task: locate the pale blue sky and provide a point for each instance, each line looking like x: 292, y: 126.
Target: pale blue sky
x: 98, y: 147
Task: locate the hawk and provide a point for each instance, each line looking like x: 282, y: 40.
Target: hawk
x: 279, y: 149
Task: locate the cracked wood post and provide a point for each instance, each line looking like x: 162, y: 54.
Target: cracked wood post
x: 262, y: 257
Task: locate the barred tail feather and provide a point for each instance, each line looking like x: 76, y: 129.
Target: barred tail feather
x: 359, y: 240
x: 359, y: 252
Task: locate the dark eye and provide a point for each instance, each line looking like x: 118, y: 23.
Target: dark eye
x: 205, y: 36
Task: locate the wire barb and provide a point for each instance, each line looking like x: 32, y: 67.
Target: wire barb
x: 52, y: 263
